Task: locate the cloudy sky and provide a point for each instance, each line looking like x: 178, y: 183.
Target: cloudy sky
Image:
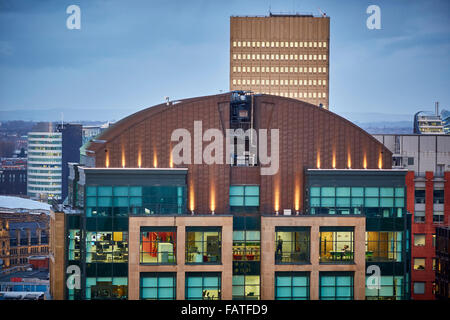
x: 129, y: 55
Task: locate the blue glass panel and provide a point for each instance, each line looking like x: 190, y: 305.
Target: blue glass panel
x: 315, y: 202
x: 371, y: 192
x: 149, y: 282
x: 91, y: 191
x: 120, y: 191
x: 342, y: 202
x: 387, y: 202
x: 149, y: 293
x: 328, y: 191
x: 238, y: 236
x: 328, y: 202
x: 343, y: 192
x: 135, y: 191
x: 300, y: 292
x: 166, y: 293
x: 399, y: 192
x: 236, y: 190
x: 194, y: 281
x: 343, y: 281
x: 371, y: 202
x: 166, y: 282
x: 300, y: 281
x: 211, y: 281
x: 121, y: 202
x: 136, y: 201
x: 91, y: 201
x: 386, y: 192
x: 327, y: 291
x: 357, y: 192
x: 238, y: 280
x: 357, y: 202
x: 194, y: 293
x: 236, y: 201
x: 105, y: 191
x: 283, y: 292
x: 252, y: 190
x: 399, y: 202
x: 251, y: 201
x: 315, y: 192
x: 327, y: 281
x: 105, y: 202
x: 283, y: 281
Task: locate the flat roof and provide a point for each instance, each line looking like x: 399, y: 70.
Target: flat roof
x: 35, y: 274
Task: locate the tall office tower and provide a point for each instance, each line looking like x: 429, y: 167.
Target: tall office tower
x: 285, y: 55
x: 50, y: 149
x: 44, y: 164
x: 71, y: 143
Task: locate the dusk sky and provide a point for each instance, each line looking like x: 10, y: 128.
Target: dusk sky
x: 129, y: 55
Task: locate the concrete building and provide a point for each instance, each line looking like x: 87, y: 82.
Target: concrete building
x: 427, y: 159
x: 281, y: 54
x: 142, y: 225
x: 13, y: 176
x: 22, y: 236
x: 429, y: 123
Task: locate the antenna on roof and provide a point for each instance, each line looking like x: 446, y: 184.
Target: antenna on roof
x: 322, y: 13
x: 167, y: 100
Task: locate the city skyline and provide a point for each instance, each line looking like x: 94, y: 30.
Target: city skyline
x: 109, y: 64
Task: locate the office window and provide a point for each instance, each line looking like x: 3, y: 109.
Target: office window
x: 383, y: 246
x: 336, y: 286
x: 419, y: 240
x: 74, y: 244
x: 336, y: 244
x: 158, y: 286
x: 419, y: 263
x: 106, y: 288
x: 292, y: 286
x: 292, y: 245
x: 438, y: 217
x: 158, y: 245
x: 391, y: 288
x: 106, y: 247
x: 244, y: 198
x: 438, y: 196
x: 203, y: 245
x: 419, y: 196
x: 419, y: 216
x: 246, y: 287
x: 419, y: 287
x: 203, y: 286
x: 246, y: 245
